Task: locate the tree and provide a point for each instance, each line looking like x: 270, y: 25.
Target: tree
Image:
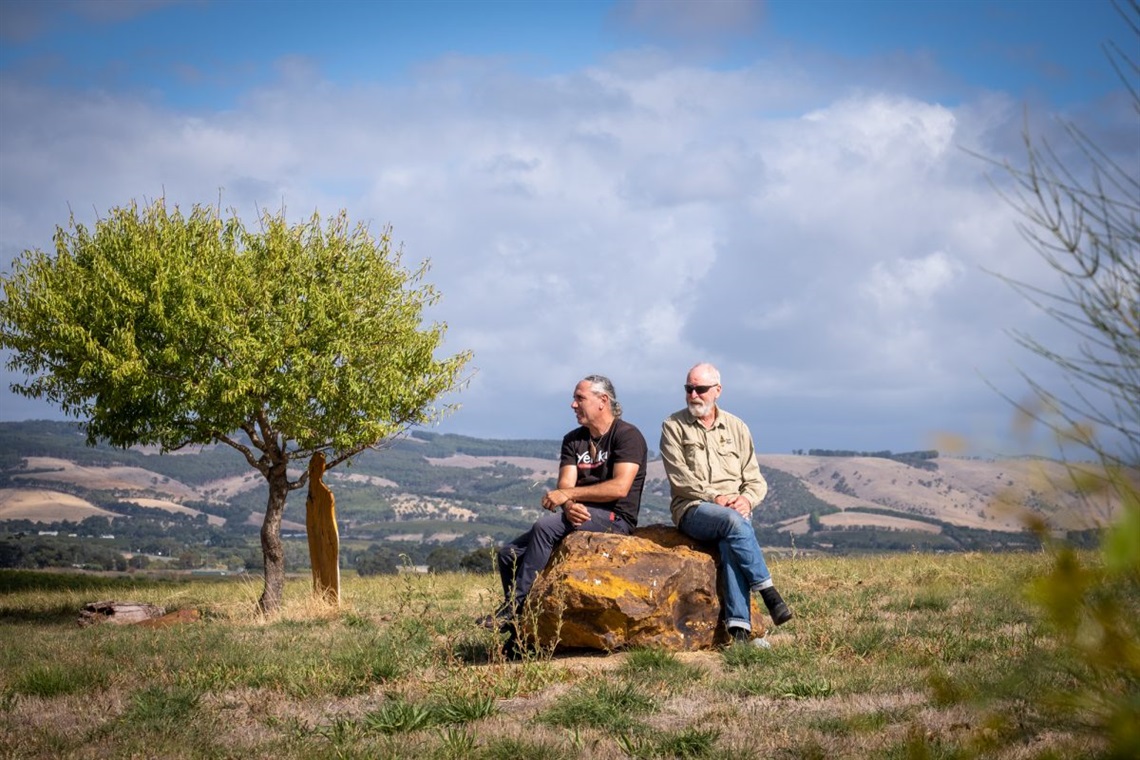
x: 1081, y: 213
x: 171, y: 329
x: 478, y: 561
x: 378, y: 560
x: 1082, y: 216
x: 444, y: 559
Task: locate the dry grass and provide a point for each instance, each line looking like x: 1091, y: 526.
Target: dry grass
x: 853, y: 676
x: 46, y: 506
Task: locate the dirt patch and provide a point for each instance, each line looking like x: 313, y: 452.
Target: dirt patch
x: 223, y: 489
x: 356, y: 477
x: 103, y: 478
x: 170, y: 506
x: 46, y: 506
x: 856, y: 519
x: 258, y: 518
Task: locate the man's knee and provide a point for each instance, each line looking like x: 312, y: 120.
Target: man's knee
x: 549, y: 527
x: 507, y: 555
x: 737, y: 523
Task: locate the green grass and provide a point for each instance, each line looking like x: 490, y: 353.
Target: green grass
x: 609, y: 706
x: 661, y: 669
x: 938, y: 656
x: 57, y: 679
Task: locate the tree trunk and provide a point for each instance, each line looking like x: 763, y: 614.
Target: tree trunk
x: 271, y: 548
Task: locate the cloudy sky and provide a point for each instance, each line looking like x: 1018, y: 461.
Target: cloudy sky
x: 787, y: 189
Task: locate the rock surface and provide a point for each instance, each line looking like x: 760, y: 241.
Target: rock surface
x: 656, y: 588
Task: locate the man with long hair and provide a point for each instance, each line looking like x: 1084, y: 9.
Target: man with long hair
x: 601, y: 474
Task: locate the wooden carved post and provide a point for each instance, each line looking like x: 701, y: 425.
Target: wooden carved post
x: 324, y: 541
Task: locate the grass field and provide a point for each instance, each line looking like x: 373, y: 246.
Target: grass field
x: 891, y: 656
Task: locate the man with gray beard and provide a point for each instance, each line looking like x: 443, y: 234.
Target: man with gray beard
x: 715, y: 483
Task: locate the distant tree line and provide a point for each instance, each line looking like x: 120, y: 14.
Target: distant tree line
x: 39, y: 552
x: 440, y: 445
x: 920, y: 459
x: 385, y: 559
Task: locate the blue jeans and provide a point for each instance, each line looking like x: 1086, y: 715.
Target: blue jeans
x: 742, y: 565
x: 521, y: 560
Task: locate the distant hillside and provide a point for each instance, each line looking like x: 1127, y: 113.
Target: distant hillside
x: 431, y: 489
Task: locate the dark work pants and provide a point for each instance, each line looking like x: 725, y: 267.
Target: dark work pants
x: 521, y: 560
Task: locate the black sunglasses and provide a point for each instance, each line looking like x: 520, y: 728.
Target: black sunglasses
x: 700, y: 389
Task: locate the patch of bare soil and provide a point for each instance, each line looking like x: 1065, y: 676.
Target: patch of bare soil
x: 859, y: 519
x: 170, y: 506
x: 223, y: 489
x: 257, y: 518
x: 116, y: 478
x: 46, y: 506
x: 356, y: 477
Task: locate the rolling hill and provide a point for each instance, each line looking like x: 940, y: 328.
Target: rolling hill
x: 472, y: 492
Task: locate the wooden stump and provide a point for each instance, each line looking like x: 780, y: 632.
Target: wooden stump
x: 118, y: 613
x: 324, y: 541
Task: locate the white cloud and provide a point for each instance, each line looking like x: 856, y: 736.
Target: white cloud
x: 628, y: 219
x: 910, y: 285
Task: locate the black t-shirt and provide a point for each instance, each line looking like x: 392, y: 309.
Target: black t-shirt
x: 622, y: 443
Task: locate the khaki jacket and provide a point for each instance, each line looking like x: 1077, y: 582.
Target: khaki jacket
x: 703, y: 464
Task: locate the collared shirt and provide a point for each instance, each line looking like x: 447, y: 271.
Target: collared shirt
x: 702, y: 464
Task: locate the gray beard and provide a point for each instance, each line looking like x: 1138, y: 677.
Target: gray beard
x: 699, y: 408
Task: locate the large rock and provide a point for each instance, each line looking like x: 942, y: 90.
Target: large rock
x: 656, y: 588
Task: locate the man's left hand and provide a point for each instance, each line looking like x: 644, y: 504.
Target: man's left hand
x: 741, y: 504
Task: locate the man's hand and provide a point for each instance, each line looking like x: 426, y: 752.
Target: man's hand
x: 575, y: 513
x: 736, y: 502
x: 554, y: 499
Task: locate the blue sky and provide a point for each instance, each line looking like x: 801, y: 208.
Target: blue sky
x: 786, y: 189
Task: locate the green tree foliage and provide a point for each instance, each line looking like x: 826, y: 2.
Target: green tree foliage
x: 378, y: 560
x: 169, y: 329
x: 444, y: 559
x: 478, y: 561
x: 58, y: 551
